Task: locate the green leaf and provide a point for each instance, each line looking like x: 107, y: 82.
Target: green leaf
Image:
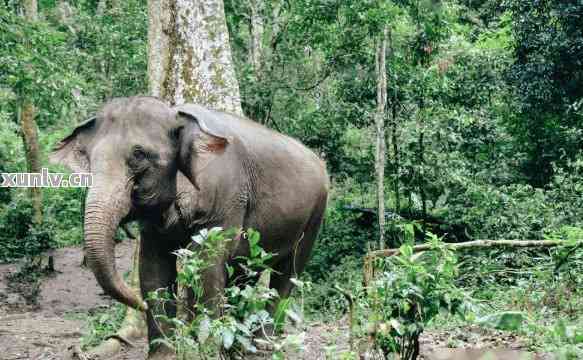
x: 204, y: 329
x: 509, y: 320
x: 406, y: 250
x: 395, y: 324
x: 280, y: 314
x: 228, y: 338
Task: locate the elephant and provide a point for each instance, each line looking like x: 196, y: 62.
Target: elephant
x: 179, y: 169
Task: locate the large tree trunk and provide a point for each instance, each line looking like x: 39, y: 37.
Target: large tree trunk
x: 380, y: 153
x: 189, y: 57
x: 189, y: 60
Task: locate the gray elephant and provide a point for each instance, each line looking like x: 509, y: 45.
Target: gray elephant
x: 179, y: 170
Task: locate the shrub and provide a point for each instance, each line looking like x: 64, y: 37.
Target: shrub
x: 19, y: 237
x: 241, y: 319
x: 341, y: 238
x: 409, y: 292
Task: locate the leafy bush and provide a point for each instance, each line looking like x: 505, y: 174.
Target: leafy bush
x: 409, y: 292
x: 19, y: 236
x: 341, y: 238
x: 241, y: 319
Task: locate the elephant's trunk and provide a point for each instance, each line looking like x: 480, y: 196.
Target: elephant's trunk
x: 103, y: 212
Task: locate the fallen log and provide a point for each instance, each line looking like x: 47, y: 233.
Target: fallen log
x: 468, y: 245
x: 477, y: 244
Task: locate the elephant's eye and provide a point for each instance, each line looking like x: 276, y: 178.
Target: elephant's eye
x: 139, y: 154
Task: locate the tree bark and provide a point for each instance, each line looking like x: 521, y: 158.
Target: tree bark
x: 256, y: 30
x: 380, y: 153
x: 189, y: 57
x: 189, y: 60
x: 32, y: 151
x: 101, y: 6
x: 29, y: 130
x: 394, y: 134
x: 30, y: 10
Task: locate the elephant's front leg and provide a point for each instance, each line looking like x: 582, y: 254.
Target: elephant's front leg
x: 157, y: 271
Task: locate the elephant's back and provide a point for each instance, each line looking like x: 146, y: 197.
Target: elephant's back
x: 275, y: 155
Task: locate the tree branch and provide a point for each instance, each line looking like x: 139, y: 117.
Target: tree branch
x: 478, y: 244
x: 368, y: 268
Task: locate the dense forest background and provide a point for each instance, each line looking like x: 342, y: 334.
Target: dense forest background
x: 484, y: 120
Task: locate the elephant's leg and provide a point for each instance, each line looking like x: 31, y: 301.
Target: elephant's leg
x: 293, y: 265
x: 157, y: 271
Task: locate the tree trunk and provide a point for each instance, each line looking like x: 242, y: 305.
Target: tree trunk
x: 189, y: 57
x: 394, y: 135
x: 422, y: 177
x: 101, y: 6
x: 30, y: 10
x: 256, y: 30
x: 380, y: 153
x: 189, y: 60
x: 32, y: 151
x: 29, y: 130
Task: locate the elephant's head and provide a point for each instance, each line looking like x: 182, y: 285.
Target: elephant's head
x: 134, y: 148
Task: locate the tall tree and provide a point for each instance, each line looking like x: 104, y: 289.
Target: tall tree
x: 256, y: 30
x: 30, y: 10
x: 395, y: 130
x: 380, y: 153
x: 189, y: 57
x: 189, y: 60
x: 547, y: 76
x: 26, y: 116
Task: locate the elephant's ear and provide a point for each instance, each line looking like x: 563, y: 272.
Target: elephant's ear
x: 201, y: 140
x: 70, y: 151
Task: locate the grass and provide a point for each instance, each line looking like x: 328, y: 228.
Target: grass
x: 100, y: 323
x: 549, y: 299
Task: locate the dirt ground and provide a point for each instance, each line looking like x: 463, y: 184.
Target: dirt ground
x: 45, y: 330
x: 48, y: 329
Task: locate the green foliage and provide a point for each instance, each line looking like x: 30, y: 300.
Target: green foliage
x: 410, y: 291
x: 241, y: 318
x: 19, y: 236
x: 548, y: 76
x: 36, y: 63
x: 483, y: 130
x: 101, y: 324
x: 66, y: 64
x: 341, y: 238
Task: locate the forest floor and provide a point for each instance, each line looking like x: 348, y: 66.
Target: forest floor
x: 46, y: 319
